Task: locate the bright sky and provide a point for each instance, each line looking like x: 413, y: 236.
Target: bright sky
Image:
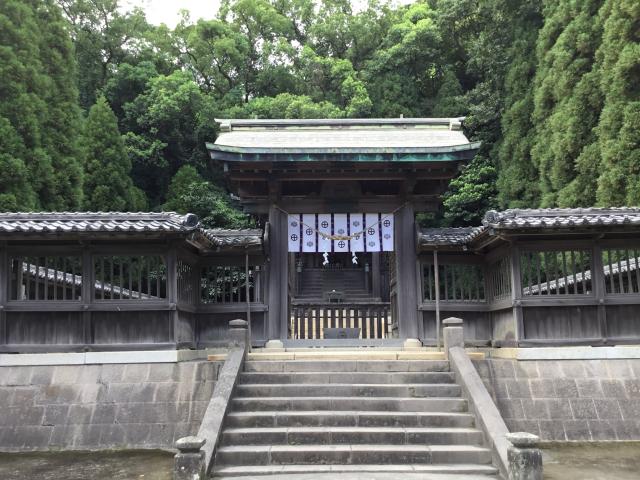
x: 167, y: 11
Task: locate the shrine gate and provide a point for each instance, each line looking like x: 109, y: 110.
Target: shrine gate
x: 338, y: 199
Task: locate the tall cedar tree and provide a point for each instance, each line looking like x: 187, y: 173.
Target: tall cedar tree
x: 619, y: 127
x: 39, y: 114
x: 108, y: 185
x: 563, y: 116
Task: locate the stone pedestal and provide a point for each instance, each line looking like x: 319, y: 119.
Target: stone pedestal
x: 412, y: 344
x: 239, y: 333
x: 189, y: 462
x: 274, y: 345
x: 524, y: 456
x: 453, y: 335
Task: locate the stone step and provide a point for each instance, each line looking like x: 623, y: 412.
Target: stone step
x: 407, y: 471
x: 351, y: 435
x: 362, y: 356
x: 351, y: 454
x: 347, y: 377
x: 337, y: 366
x: 348, y: 419
x: 416, y: 390
x: 388, y: 404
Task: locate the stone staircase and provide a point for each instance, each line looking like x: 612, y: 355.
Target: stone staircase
x: 317, y: 282
x: 350, y: 417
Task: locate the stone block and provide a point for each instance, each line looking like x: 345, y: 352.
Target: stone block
x: 57, y: 394
x: 583, y: 408
x: 565, y: 388
x: 55, y: 415
x: 589, y: 388
x: 572, y: 369
x: 42, y: 375
x: 596, y: 368
x: 91, y: 392
x: 113, y: 436
x: 22, y: 415
x: 510, y: 408
x: 500, y: 388
x: 87, y: 436
x: 635, y: 367
x: 89, y: 374
x: 163, y: 372
x: 518, y: 389
x: 526, y: 369
x: 15, y: 376
x: 116, y: 393
x: 503, y: 368
x: 551, y: 430
x: 535, y: 409
x: 6, y: 395
x: 619, y: 369
x: 104, y: 413
x: 66, y: 374
x: 80, y: 414
x: 542, y: 388
x: 161, y: 435
x: 607, y: 409
x: 166, y: 392
x: 632, y: 386
x: 61, y: 436
x: 137, y: 434
x: 112, y: 373
x: 136, y: 373
x: 142, y: 392
x: 577, y: 430
x: 550, y: 369
x: 32, y: 437
x: 559, y: 409
x: 602, y: 430
x: 23, y: 396
x: 630, y: 409
x: 203, y: 391
x: 613, y: 388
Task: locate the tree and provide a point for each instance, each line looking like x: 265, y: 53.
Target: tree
x: 563, y: 114
x: 104, y: 37
x: 108, y: 186
x: 38, y: 107
x: 189, y: 192
x: 171, y: 121
x: 617, y: 130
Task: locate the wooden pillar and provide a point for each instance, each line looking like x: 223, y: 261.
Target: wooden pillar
x: 88, y: 282
x: 376, y: 290
x: 4, y: 291
x: 278, y: 276
x: 172, y: 294
x: 599, y: 288
x: 516, y: 295
x: 407, y: 287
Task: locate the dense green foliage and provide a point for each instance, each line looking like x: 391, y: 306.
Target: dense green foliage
x: 101, y: 110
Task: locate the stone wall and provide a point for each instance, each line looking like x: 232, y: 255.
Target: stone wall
x: 102, y: 406
x: 567, y: 400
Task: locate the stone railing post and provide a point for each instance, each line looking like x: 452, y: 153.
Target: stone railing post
x: 189, y: 462
x: 452, y: 334
x: 239, y: 333
x: 524, y: 456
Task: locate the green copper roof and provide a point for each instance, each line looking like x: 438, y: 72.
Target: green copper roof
x: 367, y: 140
